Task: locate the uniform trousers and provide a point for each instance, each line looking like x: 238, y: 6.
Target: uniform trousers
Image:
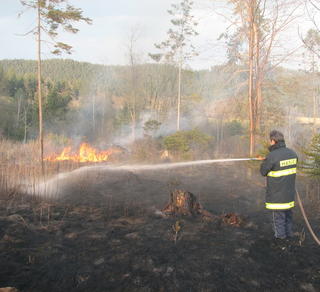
x: 282, y: 223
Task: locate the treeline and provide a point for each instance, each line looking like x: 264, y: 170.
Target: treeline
x: 97, y: 102
x: 94, y: 100
x: 54, y: 69
x: 19, y: 109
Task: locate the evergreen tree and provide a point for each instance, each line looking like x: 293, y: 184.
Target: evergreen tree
x: 51, y: 16
x: 311, y: 165
x: 178, y: 48
x: 312, y: 45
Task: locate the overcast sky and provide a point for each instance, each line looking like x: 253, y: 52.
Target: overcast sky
x: 105, y: 40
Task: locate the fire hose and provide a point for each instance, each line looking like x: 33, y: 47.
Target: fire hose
x: 316, y: 239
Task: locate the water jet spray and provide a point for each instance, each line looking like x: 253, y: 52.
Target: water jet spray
x: 53, y: 186
x: 178, y: 164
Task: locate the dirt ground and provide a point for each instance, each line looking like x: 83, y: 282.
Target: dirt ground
x: 105, y: 234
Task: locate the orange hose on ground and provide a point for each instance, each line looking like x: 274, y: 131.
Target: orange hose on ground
x: 316, y: 239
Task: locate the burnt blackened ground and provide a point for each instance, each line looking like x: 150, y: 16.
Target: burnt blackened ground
x: 105, y: 235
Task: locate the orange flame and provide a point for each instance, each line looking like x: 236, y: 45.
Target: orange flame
x: 86, y: 154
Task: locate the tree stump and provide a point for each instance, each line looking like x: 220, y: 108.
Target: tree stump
x: 184, y: 203
x: 232, y: 219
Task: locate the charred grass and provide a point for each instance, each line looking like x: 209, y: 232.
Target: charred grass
x: 107, y: 236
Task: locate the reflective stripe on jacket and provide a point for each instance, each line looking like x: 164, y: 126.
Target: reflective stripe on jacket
x: 280, y: 167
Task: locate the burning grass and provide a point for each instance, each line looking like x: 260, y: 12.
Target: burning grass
x: 86, y: 153
x: 20, y: 166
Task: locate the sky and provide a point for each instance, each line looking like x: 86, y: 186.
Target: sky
x: 106, y: 40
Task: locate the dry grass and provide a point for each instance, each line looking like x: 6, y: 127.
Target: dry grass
x: 20, y: 166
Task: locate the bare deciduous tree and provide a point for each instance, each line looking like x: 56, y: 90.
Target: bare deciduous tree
x: 261, y: 22
x: 133, y: 86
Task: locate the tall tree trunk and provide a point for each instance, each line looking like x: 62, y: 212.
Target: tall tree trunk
x: 251, y: 10
x: 19, y: 110
x: 258, y: 83
x: 25, y: 126
x: 179, y: 95
x: 133, y: 125
x: 258, y: 103
x: 314, y: 113
x: 133, y: 97
x: 289, y: 125
x: 94, y: 113
x: 218, y: 137
x: 103, y: 119
x: 314, y: 128
x: 40, y: 88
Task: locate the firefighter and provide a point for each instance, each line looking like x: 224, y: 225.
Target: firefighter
x: 280, y: 169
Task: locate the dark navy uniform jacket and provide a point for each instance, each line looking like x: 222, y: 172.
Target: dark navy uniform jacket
x: 280, y: 167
